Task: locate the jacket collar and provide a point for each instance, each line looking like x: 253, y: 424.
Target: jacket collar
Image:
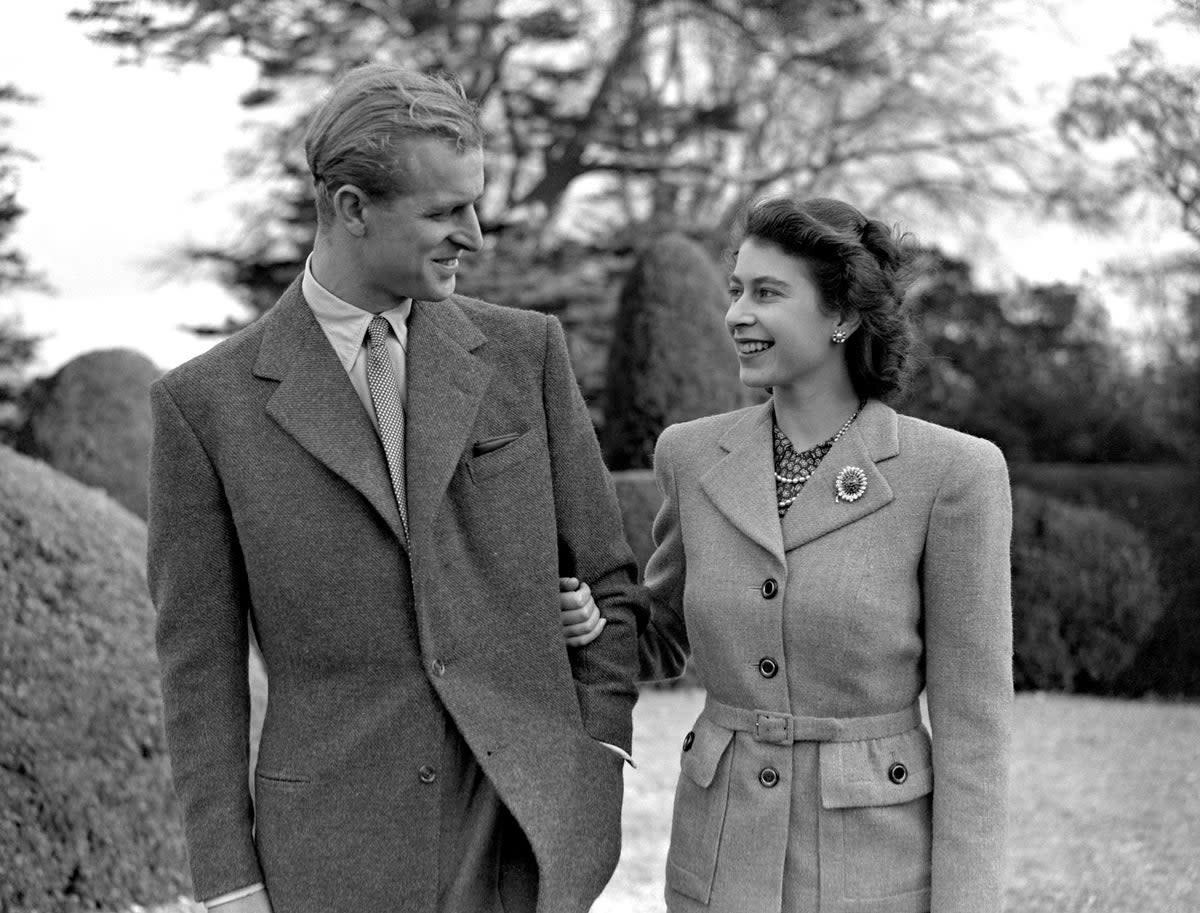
x: 316, y: 404
x: 741, y: 484
x: 873, y: 438
x: 448, y: 375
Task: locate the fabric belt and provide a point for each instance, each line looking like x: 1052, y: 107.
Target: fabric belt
x: 783, y: 728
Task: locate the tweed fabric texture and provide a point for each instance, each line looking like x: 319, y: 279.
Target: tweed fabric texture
x: 272, y: 504
x: 902, y: 591
x: 385, y: 396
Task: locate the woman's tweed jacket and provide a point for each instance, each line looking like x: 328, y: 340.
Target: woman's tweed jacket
x: 842, y: 611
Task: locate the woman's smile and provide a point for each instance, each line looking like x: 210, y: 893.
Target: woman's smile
x: 750, y: 347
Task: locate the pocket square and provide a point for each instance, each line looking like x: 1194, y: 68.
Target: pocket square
x: 493, y: 443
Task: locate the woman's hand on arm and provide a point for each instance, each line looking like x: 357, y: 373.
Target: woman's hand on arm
x: 580, y: 616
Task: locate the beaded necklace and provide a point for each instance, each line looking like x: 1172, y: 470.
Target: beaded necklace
x: 794, y: 467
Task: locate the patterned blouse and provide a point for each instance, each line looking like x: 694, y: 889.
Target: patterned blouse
x: 795, y: 466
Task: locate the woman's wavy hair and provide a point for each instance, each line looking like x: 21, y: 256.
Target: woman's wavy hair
x: 859, y: 267
x: 357, y: 135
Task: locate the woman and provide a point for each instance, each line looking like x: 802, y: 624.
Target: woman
x: 824, y: 560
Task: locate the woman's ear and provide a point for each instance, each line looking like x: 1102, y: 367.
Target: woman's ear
x: 847, y: 323
x: 349, y: 204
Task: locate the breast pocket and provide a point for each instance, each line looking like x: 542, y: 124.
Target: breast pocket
x: 698, y: 818
x: 485, y: 465
x: 876, y: 823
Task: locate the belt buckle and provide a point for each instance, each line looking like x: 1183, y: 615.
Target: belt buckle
x: 774, y: 728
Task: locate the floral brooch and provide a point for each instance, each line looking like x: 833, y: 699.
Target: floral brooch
x: 850, y: 484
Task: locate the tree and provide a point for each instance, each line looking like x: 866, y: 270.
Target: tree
x: 1040, y: 371
x: 1153, y: 111
x: 1143, y: 121
x: 661, y: 112
x: 14, y: 268
x: 17, y: 349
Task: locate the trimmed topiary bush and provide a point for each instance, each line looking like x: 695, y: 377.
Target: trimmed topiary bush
x: 1086, y: 595
x: 88, y: 818
x: 671, y: 359
x: 92, y: 421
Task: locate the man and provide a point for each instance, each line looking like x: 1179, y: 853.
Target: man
x: 387, y: 480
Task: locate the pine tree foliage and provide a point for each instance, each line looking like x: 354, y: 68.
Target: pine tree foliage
x: 17, y: 348
x: 654, y: 113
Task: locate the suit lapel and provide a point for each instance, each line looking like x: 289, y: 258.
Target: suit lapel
x: 741, y: 484
x: 316, y: 404
x: 872, y: 438
x: 446, y: 381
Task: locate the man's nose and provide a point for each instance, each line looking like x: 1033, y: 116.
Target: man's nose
x: 467, y: 234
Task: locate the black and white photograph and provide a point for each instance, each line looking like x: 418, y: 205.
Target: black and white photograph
x: 626, y: 456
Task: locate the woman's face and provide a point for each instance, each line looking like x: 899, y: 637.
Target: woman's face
x: 778, y: 322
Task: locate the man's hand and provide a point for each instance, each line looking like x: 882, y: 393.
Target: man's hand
x: 581, y: 618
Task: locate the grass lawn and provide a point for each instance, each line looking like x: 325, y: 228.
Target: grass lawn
x: 1105, y: 805
x: 1105, y: 808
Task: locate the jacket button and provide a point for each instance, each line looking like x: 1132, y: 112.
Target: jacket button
x: 768, y: 777
x: 767, y: 667
x: 687, y: 741
x: 769, y: 588
x: 438, y: 668
x: 897, y: 773
x: 427, y: 774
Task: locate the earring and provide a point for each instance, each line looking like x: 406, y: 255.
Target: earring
x: 839, y: 336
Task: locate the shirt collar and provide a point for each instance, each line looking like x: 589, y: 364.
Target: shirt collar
x: 345, y: 324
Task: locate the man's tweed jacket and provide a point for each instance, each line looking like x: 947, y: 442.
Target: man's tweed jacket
x: 270, y: 500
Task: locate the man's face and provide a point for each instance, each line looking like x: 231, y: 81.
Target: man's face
x: 412, y: 241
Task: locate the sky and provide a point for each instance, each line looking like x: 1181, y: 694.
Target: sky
x: 132, y: 164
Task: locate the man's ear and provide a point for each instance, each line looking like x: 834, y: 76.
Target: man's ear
x: 348, y: 205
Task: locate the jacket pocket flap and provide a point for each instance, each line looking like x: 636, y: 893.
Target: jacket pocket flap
x: 887, y: 771
x: 707, y: 746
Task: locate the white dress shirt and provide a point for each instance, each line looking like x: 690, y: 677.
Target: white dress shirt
x: 345, y: 326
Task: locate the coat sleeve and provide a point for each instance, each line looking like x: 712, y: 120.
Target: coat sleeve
x: 592, y: 547
x: 663, y: 648
x: 966, y: 582
x: 198, y: 585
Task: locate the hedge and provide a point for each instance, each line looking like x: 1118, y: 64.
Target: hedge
x: 1085, y: 595
x: 91, y: 420
x: 1163, y: 501
x: 88, y: 818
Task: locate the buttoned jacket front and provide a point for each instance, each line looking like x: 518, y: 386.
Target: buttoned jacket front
x: 844, y: 611
x: 270, y: 500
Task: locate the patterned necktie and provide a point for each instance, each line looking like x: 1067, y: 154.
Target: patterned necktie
x: 388, y: 410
